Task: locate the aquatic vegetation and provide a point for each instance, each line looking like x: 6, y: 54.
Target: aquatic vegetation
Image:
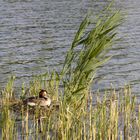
x: 80, y: 114
x: 114, y: 115
x: 80, y: 66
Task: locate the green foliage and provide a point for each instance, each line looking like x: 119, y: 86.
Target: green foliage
x: 111, y: 117
x: 88, y: 53
x: 8, y: 91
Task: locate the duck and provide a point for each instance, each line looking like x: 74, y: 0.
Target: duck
x: 42, y: 100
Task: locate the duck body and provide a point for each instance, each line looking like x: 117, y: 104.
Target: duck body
x: 42, y: 100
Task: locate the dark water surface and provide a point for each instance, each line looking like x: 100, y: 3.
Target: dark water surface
x: 35, y: 35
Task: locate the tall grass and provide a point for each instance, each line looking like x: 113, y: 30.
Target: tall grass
x: 82, y: 115
x: 114, y: 115
x: 80, y: 67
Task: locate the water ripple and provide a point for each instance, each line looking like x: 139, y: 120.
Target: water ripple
x: 35, y: 36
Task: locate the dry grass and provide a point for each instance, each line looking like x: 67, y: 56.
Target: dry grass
x: 112, y: 116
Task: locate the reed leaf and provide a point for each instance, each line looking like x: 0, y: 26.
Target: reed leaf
x: 80, y: 66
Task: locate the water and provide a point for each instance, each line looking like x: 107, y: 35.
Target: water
x: 35, y: 35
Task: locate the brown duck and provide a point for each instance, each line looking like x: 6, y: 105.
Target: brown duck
x: 42, y: 100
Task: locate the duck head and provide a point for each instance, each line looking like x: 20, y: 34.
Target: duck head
x: 43, y: 94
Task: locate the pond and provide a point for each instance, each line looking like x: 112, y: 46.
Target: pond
x: 35, y: 35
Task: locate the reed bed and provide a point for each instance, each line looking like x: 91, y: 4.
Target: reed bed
x: 114, y: 115
x: 80, y: 113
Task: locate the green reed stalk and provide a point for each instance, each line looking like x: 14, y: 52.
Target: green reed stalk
x: 80, y: 66
x: 138, y: 123
x: 7, y: 125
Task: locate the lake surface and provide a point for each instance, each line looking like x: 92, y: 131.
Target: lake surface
x: 35, y: 35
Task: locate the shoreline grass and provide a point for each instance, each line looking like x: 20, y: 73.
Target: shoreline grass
x: 82, y: 115
x: 114, y: 115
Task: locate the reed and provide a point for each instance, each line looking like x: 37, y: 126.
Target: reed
x: 82, y: 114
x: 114, y: 115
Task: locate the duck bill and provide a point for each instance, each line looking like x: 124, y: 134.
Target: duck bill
x: 46, y: 97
